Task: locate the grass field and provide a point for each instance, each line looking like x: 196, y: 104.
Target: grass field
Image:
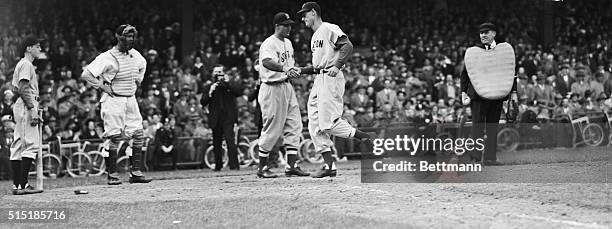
x: 236, y: 199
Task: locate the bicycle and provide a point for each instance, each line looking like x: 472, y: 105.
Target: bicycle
x: 78, y: 163
x: 242, y: 147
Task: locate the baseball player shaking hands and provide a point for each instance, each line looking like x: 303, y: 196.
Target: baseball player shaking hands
x: 279, y: 107
x: 331, y: 48
x: 118, y: 72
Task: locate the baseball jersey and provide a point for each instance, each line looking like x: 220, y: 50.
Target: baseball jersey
x: 323, y: 45
x: 25, y: 70
x: 121, y: 69
x: 280, y: 52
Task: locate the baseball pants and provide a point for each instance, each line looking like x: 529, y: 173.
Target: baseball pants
x: 325, y: 107
x: 280, y: 115
x: 26, y: 137
x: 121, y: 115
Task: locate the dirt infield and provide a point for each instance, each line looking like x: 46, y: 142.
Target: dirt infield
x: 237, y: 199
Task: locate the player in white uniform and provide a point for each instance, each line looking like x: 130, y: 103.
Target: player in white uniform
x: 26, y: 139
x: 279, y: 107
x: 331, y: 48
x: 118, y: 72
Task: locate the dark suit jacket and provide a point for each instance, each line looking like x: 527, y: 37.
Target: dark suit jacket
x: 466, y: 84
x: 443, y: 91
x: 561, y: 87
x: 222, y: 103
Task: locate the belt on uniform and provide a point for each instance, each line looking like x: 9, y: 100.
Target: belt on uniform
x: 277, y: 82
x: 127, y: 96
x: 36, y: 97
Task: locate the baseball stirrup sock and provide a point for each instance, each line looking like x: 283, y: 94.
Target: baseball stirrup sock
x: 291, y: 157
x: 263, y: 159
x: 16, y: 166
x: 328, y: 159
x: 26, y: 163
x: 137, y: 149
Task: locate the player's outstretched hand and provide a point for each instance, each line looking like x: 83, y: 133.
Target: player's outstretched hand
x: 333, y: 71
x: 293, y: 72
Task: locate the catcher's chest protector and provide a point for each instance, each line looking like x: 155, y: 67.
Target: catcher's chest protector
x: 491, y: 71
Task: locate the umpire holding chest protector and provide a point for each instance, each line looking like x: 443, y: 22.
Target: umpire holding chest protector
x: 488, y: 80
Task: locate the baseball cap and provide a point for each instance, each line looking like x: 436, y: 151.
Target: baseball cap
x: 484, y: 27
x: 31, y: 40
x: 309, y: 6
x: 282, y: 18
x: 125, y: 28
x: 28, y: 41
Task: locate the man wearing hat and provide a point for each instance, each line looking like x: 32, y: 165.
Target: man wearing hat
x: 542, y: 92
x: 563, y: 81
x: 279, y: 107
x: 581, y: 86
x: 487, y: 80
x: 26, y: 139
x: 118, y: 72
x: 331, y: 49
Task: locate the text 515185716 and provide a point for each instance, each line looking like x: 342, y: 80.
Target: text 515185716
x: 34, y: 215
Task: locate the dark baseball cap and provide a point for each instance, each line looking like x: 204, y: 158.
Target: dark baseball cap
x: 282, y: 18
x: 31, y: 40
x: 309, y: 6
x: 122, y: 28
x: 484, y: 27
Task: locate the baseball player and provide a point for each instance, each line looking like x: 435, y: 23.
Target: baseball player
x: 331, y: 48
x: 26, y: 139
x: 279, y: 107
x: 118, y: 72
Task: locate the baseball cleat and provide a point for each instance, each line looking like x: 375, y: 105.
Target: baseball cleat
x: 113, y: 179
x: 18, y: 191
x: 325, y: 172
x: 266, y: 173
x: 295, y: 171
x: 29, y: 189
x: 138, y: 177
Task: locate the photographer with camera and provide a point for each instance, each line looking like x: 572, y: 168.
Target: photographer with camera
x: 223, y: 115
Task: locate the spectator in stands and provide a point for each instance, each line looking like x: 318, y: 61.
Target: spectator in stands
x: 386, y: 99
x: 563, y: 81
x: 6, y: 138
x: 89, y: 131
x: 597, y: 86
x: 6, y: 107
x: 165, y: 139
x: 581, y: 86
x: 542, y: 92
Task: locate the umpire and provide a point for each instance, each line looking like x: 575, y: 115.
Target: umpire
x: 223, y: 114
x: 488, y: 79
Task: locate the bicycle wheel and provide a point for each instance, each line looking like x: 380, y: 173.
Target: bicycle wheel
x: 79, y: 164
x: 98, y: 166
x: 209, y: 157
x: 507, y: 140
x: 244, y: 157
x: 309, y: 153
x: 254, y: 151
x: 593, y: 134
x: 123, y: 164
x: 52, y: 166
